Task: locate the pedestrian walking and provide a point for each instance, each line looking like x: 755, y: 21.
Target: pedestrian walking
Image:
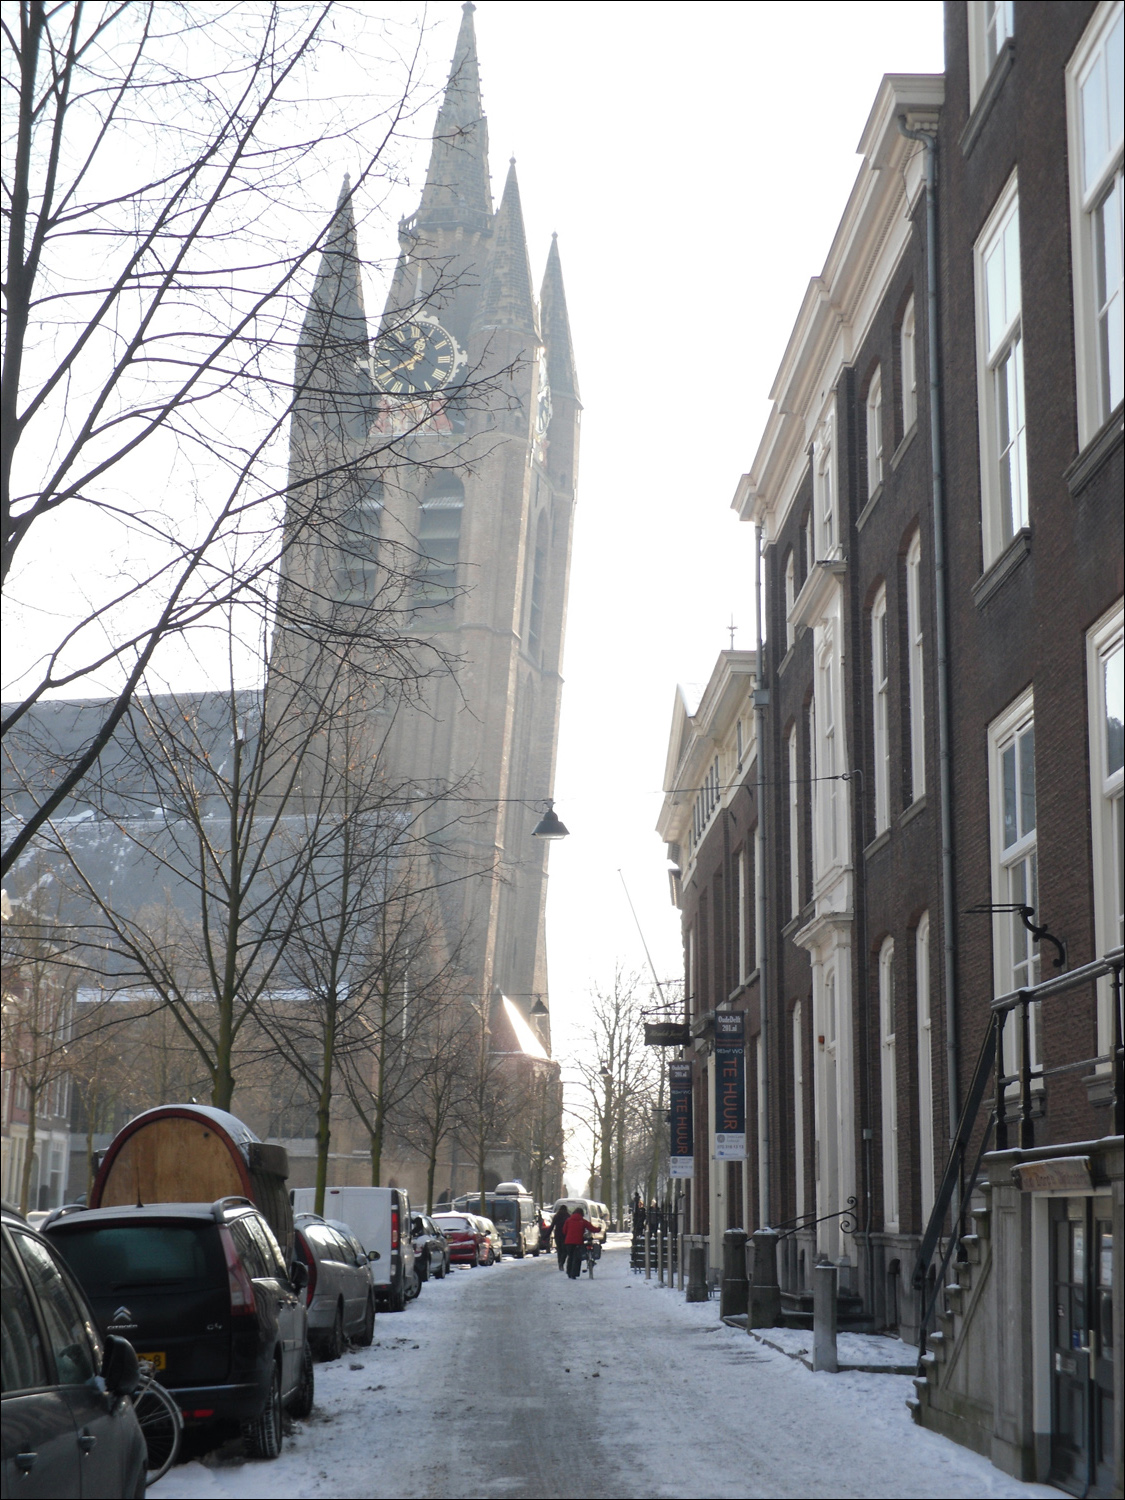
x: 558, y: 1225
x: 575, y: 1230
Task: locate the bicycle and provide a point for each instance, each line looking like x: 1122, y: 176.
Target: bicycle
x: 161, y: 1423
x: 592, y: 1256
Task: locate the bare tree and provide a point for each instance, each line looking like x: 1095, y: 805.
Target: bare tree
x: 165, y: 231
x: 443, y: 1055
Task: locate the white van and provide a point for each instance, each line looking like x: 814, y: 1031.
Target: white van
x: 379, y: 1217
x: 597, y: 1213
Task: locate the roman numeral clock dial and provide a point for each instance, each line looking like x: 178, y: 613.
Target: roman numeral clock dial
x: 416, y: 358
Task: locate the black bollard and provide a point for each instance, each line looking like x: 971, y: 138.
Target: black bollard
x: 697, y: 1274
x: 765, y: 1293
x: 734, y: 1299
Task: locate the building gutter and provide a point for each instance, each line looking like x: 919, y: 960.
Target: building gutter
x: 761, y: 702
x: 928, y: 141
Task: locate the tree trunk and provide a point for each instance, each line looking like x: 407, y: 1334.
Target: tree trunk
x: 324, y: 1104
x: 25, y: 1181
x: 431, y: 1171
x: 376, y: 1154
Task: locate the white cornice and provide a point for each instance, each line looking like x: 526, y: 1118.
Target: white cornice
x: 839, y: 304
x: 817, y: 593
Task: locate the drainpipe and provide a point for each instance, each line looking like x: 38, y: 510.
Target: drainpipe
x: 761, y: 700
x: 941, y: 621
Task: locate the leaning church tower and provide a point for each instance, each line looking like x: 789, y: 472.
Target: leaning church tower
x: 457, y: 422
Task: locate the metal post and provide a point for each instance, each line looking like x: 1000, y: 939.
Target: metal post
x: 660, y: 1251
x: 648, y: 1249
x: 1027, y: 1127
x: 1001, y: 1102
x: 697, y: 1274
x: 825, y: 1277
x: 1118, y: 1060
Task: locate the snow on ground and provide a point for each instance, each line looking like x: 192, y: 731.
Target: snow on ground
x: 514, y: 1381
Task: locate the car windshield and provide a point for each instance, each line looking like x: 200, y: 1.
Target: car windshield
x: 504, y: 1211
x: 453, y: 1221
x: 109, y: 1258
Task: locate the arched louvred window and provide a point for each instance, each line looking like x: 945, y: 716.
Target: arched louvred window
x: 439, y: 543
x: 538, y: 586
x: 357, y: 543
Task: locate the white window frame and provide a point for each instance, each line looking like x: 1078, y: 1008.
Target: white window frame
x: 908, y: 367
x: 790, y: 596
x: 826, y: 500
x: 743, y: 916
x: 828, y: 759
x: 924, y: 1008
x: 991, y: 24
x: 1086, y: 201
x: 1000, y: 382
x: 1015, y: 955
x: 915, y: 668
x: 1107, y: 812
x: 794, y: 825
x: 874, y: 432
x: 798, y: 1111
x: 880, y: 710
x: 888, y: 1084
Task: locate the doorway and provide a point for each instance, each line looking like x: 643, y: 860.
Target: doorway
x: 1082, y: 1352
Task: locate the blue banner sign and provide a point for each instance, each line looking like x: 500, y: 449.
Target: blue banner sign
x: 730, y: 1088
x: 683, y: 1129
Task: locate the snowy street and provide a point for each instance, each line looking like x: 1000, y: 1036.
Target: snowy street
x: 516, y: 1381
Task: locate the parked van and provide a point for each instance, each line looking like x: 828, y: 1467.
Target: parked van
x: 379, y: 1217
x: 597, y: 1213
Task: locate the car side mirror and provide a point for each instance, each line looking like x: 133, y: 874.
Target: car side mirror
x: 374, y: 1255
x: 298, y: 1275
x: 120, y: 1369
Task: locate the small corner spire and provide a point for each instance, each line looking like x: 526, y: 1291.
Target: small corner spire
x: 507, y: 299
x: 555, y: 323
x: 457, y: 190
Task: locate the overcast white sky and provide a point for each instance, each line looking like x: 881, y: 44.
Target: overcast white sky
x: 695, y: 160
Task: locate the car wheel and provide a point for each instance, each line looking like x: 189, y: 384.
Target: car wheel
x: 367, y: 1333
x: 301, y: 1401
x: 416, y: 1284
x: 422, y: 1268
x: 334, y: 1343
x: 262, y: 1436
x: 491, y: 1261
x: 398, y: 1294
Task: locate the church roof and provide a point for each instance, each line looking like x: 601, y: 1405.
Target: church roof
x: 506, y: 298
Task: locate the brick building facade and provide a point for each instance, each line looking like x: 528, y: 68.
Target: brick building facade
x: 938, y: 494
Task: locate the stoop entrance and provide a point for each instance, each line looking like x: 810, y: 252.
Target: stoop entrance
x: 1082, y: 1352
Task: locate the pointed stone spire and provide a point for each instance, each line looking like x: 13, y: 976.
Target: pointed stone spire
x: 457, y: 190
x: 506, y: 298
x: 561, y: 374
x: 334, y: 337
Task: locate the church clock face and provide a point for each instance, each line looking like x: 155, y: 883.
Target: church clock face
x: 414, y: 359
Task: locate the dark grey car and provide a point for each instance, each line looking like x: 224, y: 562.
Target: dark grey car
x: 341, y: 1301
x: 68, y: 1424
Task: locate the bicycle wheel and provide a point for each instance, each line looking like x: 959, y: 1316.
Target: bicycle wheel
x: 162, y: 1426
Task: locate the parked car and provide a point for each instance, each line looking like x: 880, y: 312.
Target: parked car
x: 379, y: 1217
x: 512, y: 1209
x: 62, y: 1435
x: 340, y: 1297
x: 431, y: 1248
x: 203, y: 1292
x: 495, y: 1244
x: 468, y: 1242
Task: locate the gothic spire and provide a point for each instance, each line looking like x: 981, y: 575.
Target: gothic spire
x: 561, y: 373
x: 457, y: 190
x: 333, y: 338
x: 506, y: 298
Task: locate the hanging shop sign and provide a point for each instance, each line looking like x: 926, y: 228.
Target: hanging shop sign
x: 683, y: 1129
x: 730, y: 1088
x: 667, y: 1034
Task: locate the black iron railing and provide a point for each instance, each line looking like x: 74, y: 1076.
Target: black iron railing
x: 956, y: 1188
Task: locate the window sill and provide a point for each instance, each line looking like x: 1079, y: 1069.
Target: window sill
x: 988, y: 96
x: 1002, y: 569
x: 876, y: 496
x: 1098, y: 451
x: 907, y: 438
x: 1099, y: 1089
x: 916, y: 807
x: 880, y: 841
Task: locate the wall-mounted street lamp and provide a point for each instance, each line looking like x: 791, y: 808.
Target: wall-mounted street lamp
x: 539, y: 1009
x: 549, y: 826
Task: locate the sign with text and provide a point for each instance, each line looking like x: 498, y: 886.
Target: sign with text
x: 730, y: 1088
x: 682, y: 1155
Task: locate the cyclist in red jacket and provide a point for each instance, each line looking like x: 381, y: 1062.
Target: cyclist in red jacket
x: 575, y: 1231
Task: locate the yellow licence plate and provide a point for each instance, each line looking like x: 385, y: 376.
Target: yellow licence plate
x: 158, y: 1361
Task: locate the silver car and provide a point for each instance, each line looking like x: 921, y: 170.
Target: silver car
x: 341, y: 1301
